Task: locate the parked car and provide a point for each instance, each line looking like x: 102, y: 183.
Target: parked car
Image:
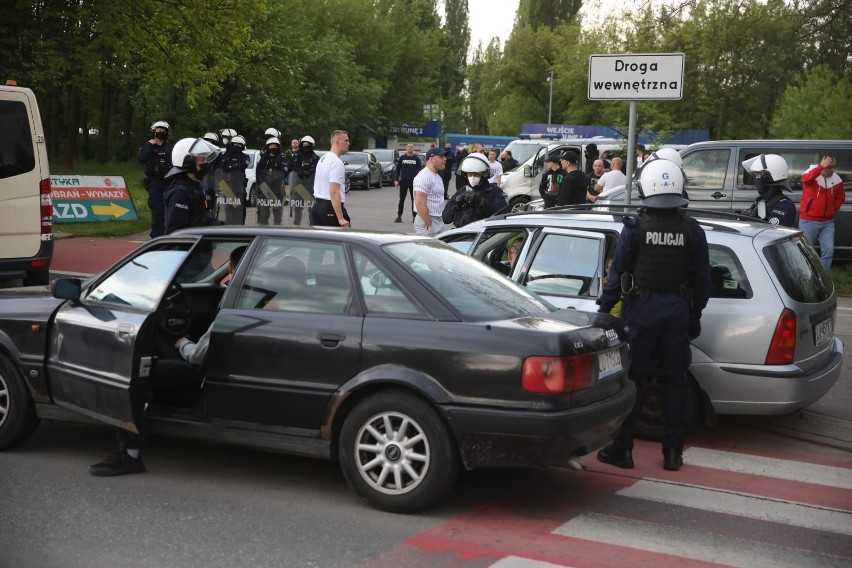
x: 387, y: 157
x: 767, y: 344
x: 393, y: 354
x: 251, y: 177
x: 716, y: 179
x: 362, y: 169
x: 26, y: 210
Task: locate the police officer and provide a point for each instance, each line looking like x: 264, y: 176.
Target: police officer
x: 156, y: 155
x: 271, y: 172
x: 188, y: 202
x: 662, y: 270
x: 231, y: 181
x: 477, y: 199
x: 770, y: 181
x: 227, y: 134
x: 305, y: 164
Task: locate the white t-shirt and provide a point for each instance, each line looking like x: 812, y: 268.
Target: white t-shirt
x: 329, y: 169
x: 612, y: 179
x: 432, y: 185
x: 496, y: 171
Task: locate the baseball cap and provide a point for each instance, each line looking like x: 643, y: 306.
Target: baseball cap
x: 553, y: 160
x: 570, y: 157
x: 435, y: 152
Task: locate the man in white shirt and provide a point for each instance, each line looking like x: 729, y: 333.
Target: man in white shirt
x: 329, y: 185
x: 429, y: 195
x: 495, y: 166
x: 609, y: 180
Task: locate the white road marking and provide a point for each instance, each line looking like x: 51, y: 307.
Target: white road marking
x: 518, y: 562
x: 742, y: 505
x: 684, y: 543
x: 769, y: 467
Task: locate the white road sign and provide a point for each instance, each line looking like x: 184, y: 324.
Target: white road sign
x: 636, y: 76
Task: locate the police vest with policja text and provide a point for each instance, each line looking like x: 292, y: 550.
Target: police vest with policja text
x: 664, y: 251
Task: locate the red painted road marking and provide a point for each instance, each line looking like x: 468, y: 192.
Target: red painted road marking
x: 81, y: 255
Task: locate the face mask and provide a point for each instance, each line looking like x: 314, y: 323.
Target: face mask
x: 759, y: 185
x: 203, y: 169
x: 273, y: 151
x: 473, y: 181
x: 161, y: 135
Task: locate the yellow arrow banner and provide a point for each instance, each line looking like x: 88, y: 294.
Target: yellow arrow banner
x: 113, y: 210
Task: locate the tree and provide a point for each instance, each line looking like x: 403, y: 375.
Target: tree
x: 547, y: 13
x: 816, y: 108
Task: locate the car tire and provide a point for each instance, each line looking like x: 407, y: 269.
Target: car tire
x: 518, y: 203
x: 18, y: 417
x: 37, y: 278
x: 651, y: 422
x: 391, y: 472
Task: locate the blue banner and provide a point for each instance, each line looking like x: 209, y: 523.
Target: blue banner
x: 431, y: 129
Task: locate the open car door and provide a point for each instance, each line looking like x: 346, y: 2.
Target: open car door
x: 102, y: 346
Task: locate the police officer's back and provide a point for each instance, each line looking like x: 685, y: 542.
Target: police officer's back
x: 662, y: 271
x: 188, y: 202
x: 770, y: 180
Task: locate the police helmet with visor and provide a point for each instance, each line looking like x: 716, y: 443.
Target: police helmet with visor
x: 187, y: 150
x: 772, y: 167
x: 661, y: 185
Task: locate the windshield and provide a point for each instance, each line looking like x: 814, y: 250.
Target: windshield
x: 522, y: 151
x: 359, y: 159
x: 474, y: 290
x: 383, y: 155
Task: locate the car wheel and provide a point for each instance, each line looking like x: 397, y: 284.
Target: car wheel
x: 17, y: 412
x: 651, y: 422
x: 396, y: 453
x: 519, y: 203
x: 37, y: 278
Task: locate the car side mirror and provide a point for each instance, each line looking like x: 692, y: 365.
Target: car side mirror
x: 528, y: 171
x: 67, y: 289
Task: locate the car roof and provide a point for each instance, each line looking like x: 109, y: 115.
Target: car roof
x: 567, y: 217
x: 324, y: 233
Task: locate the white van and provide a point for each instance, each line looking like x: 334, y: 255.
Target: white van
x: 26, y: 211
x: 521, y: 185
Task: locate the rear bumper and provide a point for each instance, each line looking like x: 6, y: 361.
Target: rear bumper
x: 500, y: 438
x: 13, y: 268
x: 750, y: 389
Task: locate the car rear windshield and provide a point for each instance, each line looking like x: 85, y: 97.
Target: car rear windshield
x: 475, y: 291
x: 799, y: 270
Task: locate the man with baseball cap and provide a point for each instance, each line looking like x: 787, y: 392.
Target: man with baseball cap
x: 572, y: 190
x: 429, y: 194
x: 550, y: 181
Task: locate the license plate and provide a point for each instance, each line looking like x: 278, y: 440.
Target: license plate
x: 822, y: 331
x: 609, y: 362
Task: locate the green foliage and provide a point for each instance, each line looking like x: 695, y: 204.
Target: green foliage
x: 547, y: 13
x: 816, y: 108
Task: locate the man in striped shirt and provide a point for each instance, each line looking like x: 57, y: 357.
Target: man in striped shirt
x: 429, y: 194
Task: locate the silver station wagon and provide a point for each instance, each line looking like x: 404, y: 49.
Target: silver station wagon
x: 767, y: 344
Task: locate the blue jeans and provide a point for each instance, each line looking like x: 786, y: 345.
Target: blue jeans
x: 820, y: 233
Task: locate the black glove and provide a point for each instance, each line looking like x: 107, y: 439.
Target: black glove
x: 694, y: 327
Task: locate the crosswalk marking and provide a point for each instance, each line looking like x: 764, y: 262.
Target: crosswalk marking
x: 769, y: 467
x: 741, y: 505
x: 685, y: 543
x: 518, y: 562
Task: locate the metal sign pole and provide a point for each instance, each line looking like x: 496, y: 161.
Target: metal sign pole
x: 631, y: 158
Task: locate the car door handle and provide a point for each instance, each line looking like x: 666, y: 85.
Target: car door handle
x: 123, y: 332
x: 718, y: 195
x: 330, y: 339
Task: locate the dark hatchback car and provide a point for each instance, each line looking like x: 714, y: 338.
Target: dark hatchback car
x: 363, y: 170
x: 394, y: 354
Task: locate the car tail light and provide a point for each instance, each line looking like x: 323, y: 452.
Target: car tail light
x: 553, y: 375
x: 782, y: 348
x: 46, y: 207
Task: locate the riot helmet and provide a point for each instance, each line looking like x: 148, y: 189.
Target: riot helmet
x: 669, y: 154
x: 227, y: 134
x: 307, y: 140
x: 661, y: 185
x: 770, y: 168
x: 186, y: 151
x: 238, y: 142
x: 211, y: 137
x: 163, y: 125
x: 273, y: 141
x: 475, y: 167
x: 272, y: 133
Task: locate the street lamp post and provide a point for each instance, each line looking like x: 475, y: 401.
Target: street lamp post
x: 550, y: 104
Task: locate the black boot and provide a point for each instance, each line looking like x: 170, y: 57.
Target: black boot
x: 617, y: 456
x: 672, y: 459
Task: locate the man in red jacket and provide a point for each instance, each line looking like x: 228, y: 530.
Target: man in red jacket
x: 822, y: 195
